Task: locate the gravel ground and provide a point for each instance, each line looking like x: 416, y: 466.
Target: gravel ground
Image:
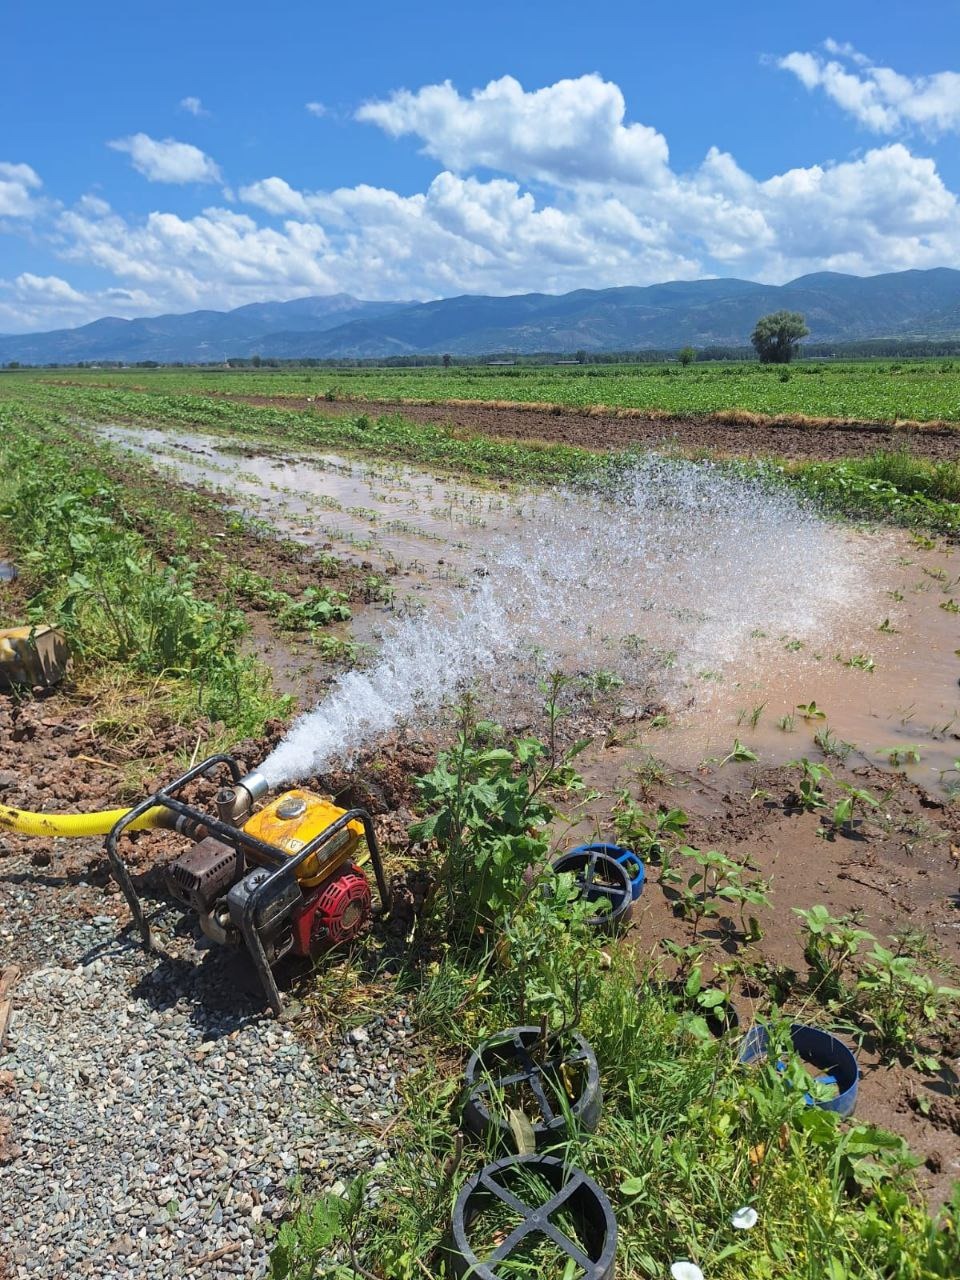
x: 151, y: 1118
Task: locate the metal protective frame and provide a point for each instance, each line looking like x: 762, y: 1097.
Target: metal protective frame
x: 282, y: 866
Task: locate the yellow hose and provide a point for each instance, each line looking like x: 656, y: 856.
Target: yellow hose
x: 75, y: 824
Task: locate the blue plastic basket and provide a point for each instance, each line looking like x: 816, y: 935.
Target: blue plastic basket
x: 821, y: 1050
x: 626, y: 857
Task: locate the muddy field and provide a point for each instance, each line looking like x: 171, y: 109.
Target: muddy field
x: 871, y: 637
x: 612, y: 430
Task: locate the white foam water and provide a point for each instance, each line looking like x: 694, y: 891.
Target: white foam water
x: 685, y: 561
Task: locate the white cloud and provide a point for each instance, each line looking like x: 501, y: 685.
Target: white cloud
x: 167, y: 161
x: 45, y: 289
x: 571, y: 131
x: 18, y: 186
x: 31, y: 302
x: 316, y: 108
x: 276, y: 196
x: 844, y: 49
x: 584, y: 200
x: 194, y: 106
x: 879, y: 98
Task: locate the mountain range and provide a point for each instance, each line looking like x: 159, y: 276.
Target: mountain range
x: 699, y: 313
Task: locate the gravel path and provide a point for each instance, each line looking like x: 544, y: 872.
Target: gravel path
x: 151, y: 1119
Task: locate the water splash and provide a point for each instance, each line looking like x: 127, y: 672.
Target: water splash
x: 684, y: 565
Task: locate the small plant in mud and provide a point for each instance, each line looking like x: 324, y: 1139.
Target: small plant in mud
x: 335, y: 648
x: 718, y: 884
x: 376, y: 590
x: 650, y: 835
x: 844, y: 811
x: 600, y: 682
x: 700, y: 999
x: 787, y: 723
x: 888, y: 628
x: 903, y: 1005
x: 830, y: 944
x: 317, y: 607
x: 487, y: 807
x: 808, y: 794
x: 650, y: 773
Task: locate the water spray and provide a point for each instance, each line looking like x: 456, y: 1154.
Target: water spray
x: 672, y: 569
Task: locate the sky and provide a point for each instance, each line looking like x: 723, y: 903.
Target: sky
x: 184, y: 156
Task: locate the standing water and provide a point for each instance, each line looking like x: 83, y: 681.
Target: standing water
x: 683, y: 567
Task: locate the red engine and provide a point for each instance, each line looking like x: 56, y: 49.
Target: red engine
x: 334, y: 912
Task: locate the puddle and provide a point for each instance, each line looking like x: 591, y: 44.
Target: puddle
x: 389, y: 514
x: 8, y: 572
x: 719, y: 598
x: 905, y: 712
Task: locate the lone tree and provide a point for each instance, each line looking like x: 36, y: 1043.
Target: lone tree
x: 776, y: 336
x: 686, y: 355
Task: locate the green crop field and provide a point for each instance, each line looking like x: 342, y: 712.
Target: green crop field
x: 921, y: 390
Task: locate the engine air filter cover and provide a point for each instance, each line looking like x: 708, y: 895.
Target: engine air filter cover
x: 204, y: 872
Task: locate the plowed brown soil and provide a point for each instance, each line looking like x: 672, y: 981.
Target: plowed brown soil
x: 609, y: 431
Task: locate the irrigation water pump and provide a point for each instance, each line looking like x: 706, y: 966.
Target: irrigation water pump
x: 282, y: 879
x: 278, y: 880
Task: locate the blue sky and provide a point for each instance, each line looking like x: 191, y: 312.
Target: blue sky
x: 207, y: 155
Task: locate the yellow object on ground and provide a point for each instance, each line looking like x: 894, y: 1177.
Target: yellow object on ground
x: 32, y: 655
x: 297, y: 817
x: 74, y: 824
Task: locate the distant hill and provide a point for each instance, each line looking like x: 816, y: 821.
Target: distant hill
x: 838, y: 308
x: 198, y: 336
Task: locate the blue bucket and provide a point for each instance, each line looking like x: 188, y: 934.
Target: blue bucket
x: 626, y: 857
x: 821, y: 1050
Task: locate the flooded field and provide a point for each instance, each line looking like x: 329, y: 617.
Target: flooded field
x: 733, y: 609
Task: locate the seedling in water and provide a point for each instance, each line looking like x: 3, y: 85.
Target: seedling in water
x: 752, y: 717
x: 810, y: 711
x: 831, y: 745
x: 739, y: 753
x: 887, y: 627
x: 901, y: 755
x: 786, y: 723
x: 858, y: 661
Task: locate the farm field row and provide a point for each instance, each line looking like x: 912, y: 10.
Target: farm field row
x: 865, y: 391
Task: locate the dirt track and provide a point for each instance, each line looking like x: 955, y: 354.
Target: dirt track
x: 609, y: 431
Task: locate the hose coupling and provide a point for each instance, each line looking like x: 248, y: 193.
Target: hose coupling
x: 235, y: 804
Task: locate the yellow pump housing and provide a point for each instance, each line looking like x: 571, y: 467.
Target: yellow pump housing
x: 292, y: 820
